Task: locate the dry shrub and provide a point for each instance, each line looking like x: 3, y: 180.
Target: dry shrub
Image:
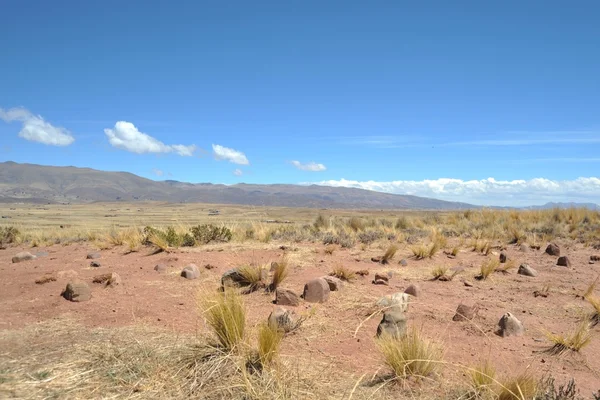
x: 574, y: 341
x: 343, y: 273
x: 422, y: 251
x: 411, y: 355
x: 506, y: 267
x: 590, y: 290
x: 487, y: 268
x: 225, y: 314
x: 594, y: 316
x: 483, y: 378
x: 269, y: 342
x: 439, y: 272
x: 389, y: 254
x: 252, y: 276
x: 329, y: 249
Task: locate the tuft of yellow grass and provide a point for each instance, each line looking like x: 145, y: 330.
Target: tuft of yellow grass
x: 411, y: 355
x: 594, y: 317
x: 343, y: 273
x: 590, y: 290
x: 483, y: 377
x: 389, y: 254
x: 522, y: 387
x: 574, y: 341
x: 439, y: 272
x: 506, y: 267
x: 280, y: 273
x: 425, y: 251
x: 269, y: 343
x: 487, y: 268
x: 225, y: 314
x: 329, y: 249
x: 252, y: 276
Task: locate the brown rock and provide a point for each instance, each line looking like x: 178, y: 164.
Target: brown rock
x: 283, y: 319
x: 77, y: 291
x: 595, y: 258
x: 316, y: 291
x: 563, y: 261
x: 381, y: 279
x: 509, y: 325
x: 376, y: 259
x: 191, y: 272
x: 465, y: 312
x: 95, y: 264
x: 285, y: 297
x: 503, y: 257
x: 413, y: 290
x: 467, y: 283
x: 553, y: 250
x: 209, y: 267
x: 334, y: 283
x: 525, y: 269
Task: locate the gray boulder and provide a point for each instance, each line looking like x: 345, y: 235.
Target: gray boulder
x: 392, y: 324
x: 77, y: 291
x: 525, y: 269
x: 23, y: 256
x: 397, y: 301
x: 191, y: 272
x: 509, y: 325
x: 283, y: 319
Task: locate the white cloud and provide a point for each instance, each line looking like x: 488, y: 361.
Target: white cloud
x: 158, y: 172
x: 488, y: 191
x: 36, y: 129
x: 126, y: 136
x: 311, y: 166
x: 238, y: 172
x: 231, y: 155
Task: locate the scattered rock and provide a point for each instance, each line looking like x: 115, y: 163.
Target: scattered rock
x: 95, y: 264
x: 396, y: 301
x: 563, y: 261
x: 285, y: 320
x: 381, y: 279
x: 595, y: 258
x: 590, y: 262
x: 509, y: 325
x: 23, y: 256
x: 94, y: 256
x: 465, y: 312
x: 541, y: 293
x: 362, y: 272
x: 77, y: 291
x: 393, y: 324
x: 334, y: 283
x: 285, y: 297
x: 467, y: 283
x: 109, y: 280
x: 524, y: 248
x: 274, y: 266
x: 403, y: 262
x: 209, y: 266
x: 191, y: 272
x: 553, y: 250
x: 316, y: 291
x: 161, y: 268
x: 232, y: 278
x: 503, y: 257
x: 525, y: 269
x: 376, y: 259
x: 413, y: 290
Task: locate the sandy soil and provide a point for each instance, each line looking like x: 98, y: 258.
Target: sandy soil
x: 338, y: 332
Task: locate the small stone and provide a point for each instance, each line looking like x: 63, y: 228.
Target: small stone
x: 413, y: 290
x: 563, y: 261
x: 114, y: 280
x: 23, y: 256
x: 274, y: 266
x: 525, y: 269
x: 362, y: 272
x: 595, y: 258
x: 93, y: 256
x: 334, y: 283
x: 77, y: 291
x: 283, y: 319
x: 553, y: 250
x: 393, y: 324
x: 316, y: 291
x: 380, y: 279
x: 95, y: 264
x: 209, y: 266
x: 467, y: 283
x: 232, y: 278
x: 286, y: 297
x: 191, y: 272
x: 503, y: 257
x: 509, y: 325
x: 465, y: 312
x: 376, y: 259
x: 161, y: 268
x: 403, y: 262
x: 524, y: 248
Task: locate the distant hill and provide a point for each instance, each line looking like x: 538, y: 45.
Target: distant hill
x: 591, y: 206
x: 48, y: 184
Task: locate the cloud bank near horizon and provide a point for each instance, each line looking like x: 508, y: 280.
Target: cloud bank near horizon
x: 487, y: 191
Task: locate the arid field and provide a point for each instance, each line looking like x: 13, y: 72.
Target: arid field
x: 132, y: 325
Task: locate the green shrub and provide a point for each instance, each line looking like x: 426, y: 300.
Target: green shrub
x: 204, y: 234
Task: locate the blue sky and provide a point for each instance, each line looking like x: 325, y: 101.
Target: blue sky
x: 430, y: 99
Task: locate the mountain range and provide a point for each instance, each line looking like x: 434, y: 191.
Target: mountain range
x: 49, y: 184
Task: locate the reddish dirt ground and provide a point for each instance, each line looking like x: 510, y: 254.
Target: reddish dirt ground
x: 337, y: 332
